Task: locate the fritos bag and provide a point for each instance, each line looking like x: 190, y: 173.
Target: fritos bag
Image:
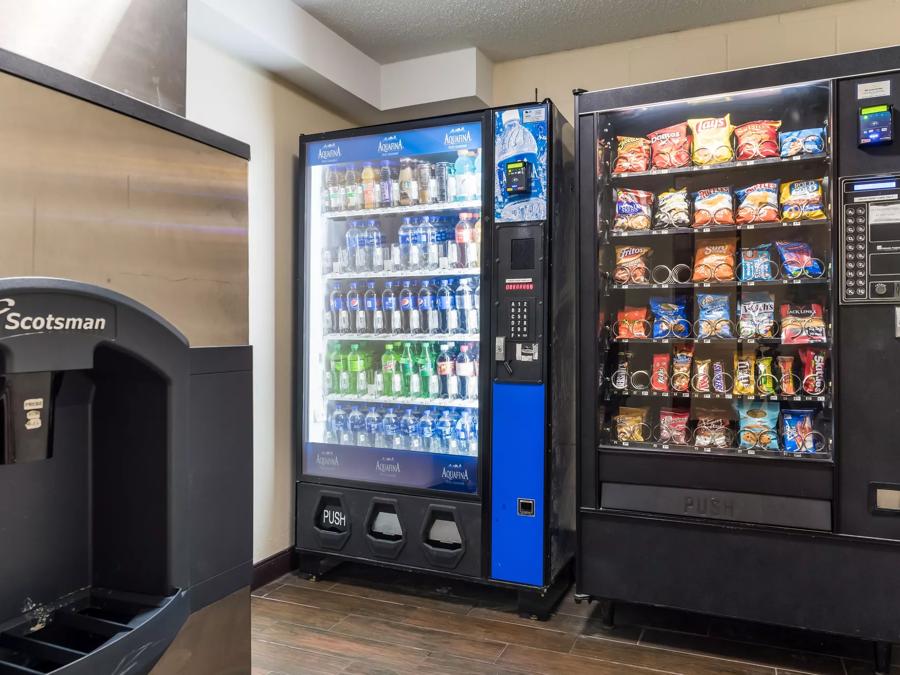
x: 712, y: 140
x: 632, y: 265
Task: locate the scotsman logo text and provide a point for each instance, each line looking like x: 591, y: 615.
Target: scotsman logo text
x: 329, y: 151
x: 38, y: 324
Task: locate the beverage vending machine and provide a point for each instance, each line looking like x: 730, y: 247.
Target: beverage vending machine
x: 435, y: 345
x: 740, y: 345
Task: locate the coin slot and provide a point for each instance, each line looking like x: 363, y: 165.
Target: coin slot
x: 525, y: 507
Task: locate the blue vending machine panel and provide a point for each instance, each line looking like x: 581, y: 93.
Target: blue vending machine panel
x: 520, y: 176
x: 517, y: 478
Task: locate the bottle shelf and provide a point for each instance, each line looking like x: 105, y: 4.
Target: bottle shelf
x: 650, y: 446
x: 726, y: 166
x: 471, y: 404
x: 405, y: 210
x: 824, y: 280
x: 403, y: 337
x: 718, y: 229
x: 406, y: 274
x: 703, y: 396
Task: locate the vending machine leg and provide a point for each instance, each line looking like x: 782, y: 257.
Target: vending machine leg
x: 538, y: 604
x: 314, y: 567
x: 882, y: 658
x: 607, y: 614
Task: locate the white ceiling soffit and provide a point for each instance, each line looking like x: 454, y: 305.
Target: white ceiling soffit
x: 280, y: 37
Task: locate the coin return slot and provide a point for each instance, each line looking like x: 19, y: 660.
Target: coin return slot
x: 887, y: 499
x: 443, y: 532
x: 526, y: 507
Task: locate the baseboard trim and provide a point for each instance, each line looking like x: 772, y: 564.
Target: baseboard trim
x: 276, y: 565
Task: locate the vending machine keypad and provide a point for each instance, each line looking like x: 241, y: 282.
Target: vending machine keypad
x: 520, y: 319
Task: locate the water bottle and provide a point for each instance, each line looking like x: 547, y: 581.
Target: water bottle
x: 392, y: 317
x: 358, y: 318
x: 426, y: 431
x: 409, y: 309
x: 448, y: 383
x: 390, y: 426
x: 446, y: 301
x: 408, y: 252
x: 465, y: 307
x: 464, y: 175
x: 517, y: 144
x: 387, y: 196
x: 428, y: 311
x: 427, y: 237
x: 444, y: 428
x: 352, y: 189
x: 372, y: 304
x: 339, y: 428
x: 409, y: 431
x: 465, y: 373
x: 356, y: 425
x: 374, y: 245
x: 357, y: 246
x: 464, y: 433
x: 476, y: 175
x: 466, y: 248
x: 340, y: 317
x: 335, y: 185
x: 373, y: 428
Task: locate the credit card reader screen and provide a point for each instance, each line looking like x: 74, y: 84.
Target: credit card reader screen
x: 876, y: 125
x: 518, y: 177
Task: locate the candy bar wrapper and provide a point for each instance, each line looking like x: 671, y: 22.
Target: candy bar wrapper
x: 796, y: 427
x: 744, y: 378
x: 813, y: 370
x: 765, y: 377
x: 620, y: 378
x: 659, y: 378
x: 681, y: 367
x: 712, y: 429
x: 786, y: 375
x: 719, y: 382
x: 701, y: 380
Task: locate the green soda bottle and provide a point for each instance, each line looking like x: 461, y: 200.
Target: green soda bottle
x: 340, y: 378
x: 393, y: 383
x: 356, y: 366
x: 407, y: 366
x: 427, y: 372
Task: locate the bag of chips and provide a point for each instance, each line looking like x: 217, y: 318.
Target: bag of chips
x: 757, y: 140
x: 758, y: 203
x: 765, y: 376
x: 720, y: 378
x: 802, y: 324
x: 671, y: 147
x: 631, y: 322
x: 631, y: 424
x: 813, y: 371
x: 633, y: 209
x: 758, y: 425
x: 672, y: 210
x: 713, y: 206
x: 633, y: 155
x: 803, y: 200
x: 702, y: 378
x: 796, y: 431
x: 681, y: 367
x: 803, y: 142
x: 756, y: 263
x: 659, y: 373
x: 714, y: 260
x: 787, y: 381
x: 744, y: 378
x: 713, y: 316
x: 713, y: 429
x: 673, y: 426
x: 669, y: 317
x: 712, y: 140
x: 632, y: 265
x: 798, y: 261
x: 756, y: 315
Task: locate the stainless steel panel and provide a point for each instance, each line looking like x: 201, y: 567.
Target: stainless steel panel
x: 137, y: 47
x: 96, y: 196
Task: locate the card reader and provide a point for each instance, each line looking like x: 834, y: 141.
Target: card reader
x: 876, y: 125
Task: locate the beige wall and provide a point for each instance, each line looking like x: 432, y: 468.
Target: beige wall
x: 229, y: 96
x: 846, y: 27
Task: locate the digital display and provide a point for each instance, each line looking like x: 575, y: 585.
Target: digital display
x: 883, y: 264
x: 521, y: 254
x: 876, y: 125
x: 881, y: 185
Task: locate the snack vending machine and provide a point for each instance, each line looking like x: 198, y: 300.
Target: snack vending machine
x: 740, y: 341
x: 435, y: 428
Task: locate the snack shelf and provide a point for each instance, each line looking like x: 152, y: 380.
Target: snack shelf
x: 720, y: 340
x: 703, y: 396
x: 406, y: 274
x: 725, y: 166
x: 406, y: 400
x: 645, y: 446
x: 720, y: 229
x: 404, y: 210
x: 724, y: 284
x: 403, y: 337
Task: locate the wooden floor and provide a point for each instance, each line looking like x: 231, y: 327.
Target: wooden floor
x: 367, y: 620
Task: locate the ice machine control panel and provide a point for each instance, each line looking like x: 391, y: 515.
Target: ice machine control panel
x: 870, y: 239
x: 519, y: 315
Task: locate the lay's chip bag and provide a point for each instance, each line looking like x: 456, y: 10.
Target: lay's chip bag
x: 712, y: 140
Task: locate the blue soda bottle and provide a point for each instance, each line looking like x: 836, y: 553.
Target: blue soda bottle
x: 372, y: 304
x: 358, y: 317
x: 392, y: 316
x: 449, y: 317
x: 340, y: 315
x: 428, y: 311
x: 409, y: 309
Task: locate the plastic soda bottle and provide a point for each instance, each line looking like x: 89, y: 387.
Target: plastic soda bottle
x: 356, y: 366
x: 393, y: 382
